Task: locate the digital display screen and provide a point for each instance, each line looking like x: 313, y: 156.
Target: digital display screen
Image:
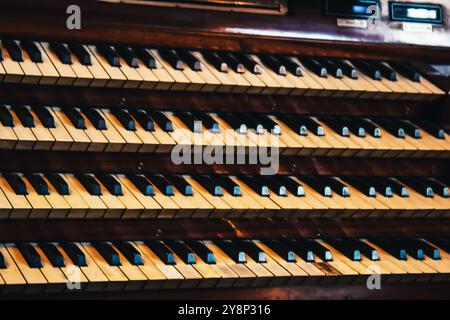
x: 416, y: 12
x: 359, y: 9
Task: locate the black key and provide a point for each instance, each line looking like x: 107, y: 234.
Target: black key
x: 52, y: 253
x: 248, y: 62
x: 337, y: 186
x: 83, y: 56
x: 337, y: 125
x: 381, y: 185
x: 442, y: 243
x: 291, y: 65
x: 13, y: 50
x: 142, y: 184
x: 355, y: 127
x: 75, y: 254
x: 129, y: 252
x: 252, y: 250
x: 410, y: 129
x: 333, y: 69
x: 261, y: 190
x: 182, y: 185
x: 128, y: 55
x: 161, y: 250
x: 268, y: 124
x: 45, y: 117
x: 431, y: 128
x: 394, y: 128
x: 302, y: 125
x: 293, y: 186
x: 319, y: 250
x: 229, y: 185
x: 365, y: 249
x: 124, y: 118
x: 75, y: 117
x: 321, y: 186
x: 231, y: 250
x: 5, y: 117
x: 273, y: 63
x: 347, y: 69
x: 438, y: 187
x: 207, y: 121
x: 2, y: 262
x: 391, y: 247
x: 146, y: 57
x: 279, y: 248
x: 232, y: 62
x: 25, y: 116
x: 418, y: 185
x: 369, y: 127
x: 162, y: 184
x: 363, y: 185
x: 202, y: 251
x: 16, y: 183
x: 426, y: 248
x: 172, y: 58
x: 111, y: 184
x: 110, y: 55
x: 90, y: 184
x: 189, y: 59
x: 386, y: 70
x: 210, y: 184
x: 398, y: 188
x: 216, y: 60
x: 413, y: 248
x: 62, y: 52
x: 301, y: 248
x: 190, y: 121
x: 108, y: 253
x: 406, y: 70
x: 274, y: 185
x: 314, y: 65
x: 162, y: 121
x: 58, y: 183
x: 182, y: 251
x: 30, y: 254
x: 38, y: 183
x: 368, y: 68
x: 253, y: 123
x: 143, y: 119
x: 235, y: 122
x: 33, y: 51
x: 96, y: 119
x: 346, y: 248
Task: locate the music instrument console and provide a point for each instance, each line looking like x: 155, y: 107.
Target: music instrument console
x: 225, y: 149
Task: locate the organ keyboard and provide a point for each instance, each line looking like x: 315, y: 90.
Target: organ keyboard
x: 132, y: 151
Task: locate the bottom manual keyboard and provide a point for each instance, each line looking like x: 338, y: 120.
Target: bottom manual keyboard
x: 144, y: 265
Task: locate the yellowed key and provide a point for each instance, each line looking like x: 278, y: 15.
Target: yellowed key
x: 14, y: 72
x: 180, y: 81
x: 41, y: 208
x: 63, y: 140
x: 81, y: 141
x: 117, y: 78
x: 57, y: 281
x: 60, y: 207
x: 25, y: 137
x: 132, y: 141
x: 134, y: 79
x: 8, y: 138
x: 5, y: 206
x: 78, y: 207
x: 19, y: 203
x: 225, y: 82
x: 67, y: 76
x: 11, y: 275
x: 32, y: 74
x: 50, y: 75
x: 115, y: 207
x: 44, y: 138
x: 133, y: 208
x: 136, y: 278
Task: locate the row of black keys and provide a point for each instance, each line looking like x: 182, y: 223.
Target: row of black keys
x: 195, y: 121
x: 220, y: 60
x: 238, y: 249
x: 261, y: 185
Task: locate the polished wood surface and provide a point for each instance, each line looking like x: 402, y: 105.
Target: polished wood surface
x: 305, y: 30
x: 37, y: 161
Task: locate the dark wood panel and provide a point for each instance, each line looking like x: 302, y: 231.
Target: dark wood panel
x: 416, y: 291
x: 133, y: 230
x: 305, y: 30
x: 74, y: 162
x: 99, y: 97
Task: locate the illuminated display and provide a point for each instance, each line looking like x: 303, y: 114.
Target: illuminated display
x: 416, y: 12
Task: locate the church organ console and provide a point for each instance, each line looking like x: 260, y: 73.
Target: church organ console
x: 347, y: 101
